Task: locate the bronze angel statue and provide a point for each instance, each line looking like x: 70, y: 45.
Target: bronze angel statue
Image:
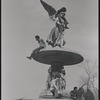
x: 56, y: 36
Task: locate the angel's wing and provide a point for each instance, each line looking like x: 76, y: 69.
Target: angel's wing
x: 51, y: 11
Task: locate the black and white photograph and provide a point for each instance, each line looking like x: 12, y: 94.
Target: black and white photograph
x: 49, y: 50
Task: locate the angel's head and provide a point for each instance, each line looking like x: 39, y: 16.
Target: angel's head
x: 61, y: 12
x: 63, y: 9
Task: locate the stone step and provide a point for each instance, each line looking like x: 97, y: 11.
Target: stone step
x: 46, y: 98
x: 43, y: 99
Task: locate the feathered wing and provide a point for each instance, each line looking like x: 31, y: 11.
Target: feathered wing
x: 50, y: 10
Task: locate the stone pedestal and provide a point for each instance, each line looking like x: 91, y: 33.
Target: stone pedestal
x: 57, y: 58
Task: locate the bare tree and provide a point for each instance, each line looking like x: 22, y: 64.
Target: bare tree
x: 90, y: 76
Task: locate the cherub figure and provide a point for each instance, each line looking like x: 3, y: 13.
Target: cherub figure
x: 56, y: 36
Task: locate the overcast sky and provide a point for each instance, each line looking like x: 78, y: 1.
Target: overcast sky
x: 21, y: 21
